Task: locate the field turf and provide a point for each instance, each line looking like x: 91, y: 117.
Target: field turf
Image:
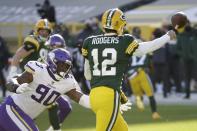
x: 174, y: 118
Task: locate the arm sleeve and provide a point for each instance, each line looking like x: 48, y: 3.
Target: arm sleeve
x: 133, y: 44
x: 150, y: 46
x: 87, y: 72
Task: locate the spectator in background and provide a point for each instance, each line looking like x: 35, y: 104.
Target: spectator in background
x: 160, y: 66
x: 4, y: 56
x: 91, y: 28
x: 174, y: 64
x: 136, y: 32
x: 47, y: 11
x: 194, y: 47
x: 186, y: 46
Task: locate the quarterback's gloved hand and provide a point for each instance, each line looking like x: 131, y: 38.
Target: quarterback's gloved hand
x: 23, y: 88
x: 125, y: 107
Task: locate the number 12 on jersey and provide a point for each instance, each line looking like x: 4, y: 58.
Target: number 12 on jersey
x: 105, y: 69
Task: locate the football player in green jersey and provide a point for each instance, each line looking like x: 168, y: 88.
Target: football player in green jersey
x: 106, y: 59
x: 33, y: 46
x: 139, y: 80
x: 141, y: 84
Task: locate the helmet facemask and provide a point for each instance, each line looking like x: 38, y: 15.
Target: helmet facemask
x: 43, y: 34
x: 63, y: 68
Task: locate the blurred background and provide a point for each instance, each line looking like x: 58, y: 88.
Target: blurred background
x: 172, y: 69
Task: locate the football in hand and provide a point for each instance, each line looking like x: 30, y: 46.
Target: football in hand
x: 179, y: 20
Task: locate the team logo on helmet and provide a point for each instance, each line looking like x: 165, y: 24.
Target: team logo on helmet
x: 114, y: 19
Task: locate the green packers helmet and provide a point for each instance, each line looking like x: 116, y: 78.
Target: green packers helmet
x: 42, y: 24
x: 114, y: 19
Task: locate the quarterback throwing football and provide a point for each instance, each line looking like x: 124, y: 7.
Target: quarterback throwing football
x: 106, y: 59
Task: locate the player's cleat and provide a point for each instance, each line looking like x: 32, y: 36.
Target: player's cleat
x: 156, y: 116
x: 139, y: 103
x: 51, y: 129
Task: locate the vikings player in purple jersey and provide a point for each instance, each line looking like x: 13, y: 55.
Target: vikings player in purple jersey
x: 62, y: 107
x: 39, y: 86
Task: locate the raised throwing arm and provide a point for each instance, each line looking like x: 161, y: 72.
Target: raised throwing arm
x: 150, y: 46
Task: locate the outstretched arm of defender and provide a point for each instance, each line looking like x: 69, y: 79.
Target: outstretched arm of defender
x: 78, y: 97
x: 150, y: 46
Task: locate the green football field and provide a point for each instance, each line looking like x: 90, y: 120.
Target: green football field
x: 174, y: 118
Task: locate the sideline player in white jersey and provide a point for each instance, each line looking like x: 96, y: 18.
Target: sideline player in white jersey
x: 37, y: 87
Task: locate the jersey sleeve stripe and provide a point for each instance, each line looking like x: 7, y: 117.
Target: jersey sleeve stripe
x: 33, y: 41
x: 29, y: 68
x: 131, y: 48
x: 84, y: 52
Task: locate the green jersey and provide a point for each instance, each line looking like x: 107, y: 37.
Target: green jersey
x: 142, y: 61
x: 40, y: 50
x: 137, y: 63
x: 108, y: 58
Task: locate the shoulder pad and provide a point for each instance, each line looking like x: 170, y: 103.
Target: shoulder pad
x: 128, y: 35
x: 86, y: 39
x: 92, y: 36
x: 34, y: 67
x: 32, y: 40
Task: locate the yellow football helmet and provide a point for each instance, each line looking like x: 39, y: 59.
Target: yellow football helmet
x: 114, y: 19
x: 42, y: 24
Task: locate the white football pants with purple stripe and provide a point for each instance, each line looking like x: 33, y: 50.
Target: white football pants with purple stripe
x: 12, y: 118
